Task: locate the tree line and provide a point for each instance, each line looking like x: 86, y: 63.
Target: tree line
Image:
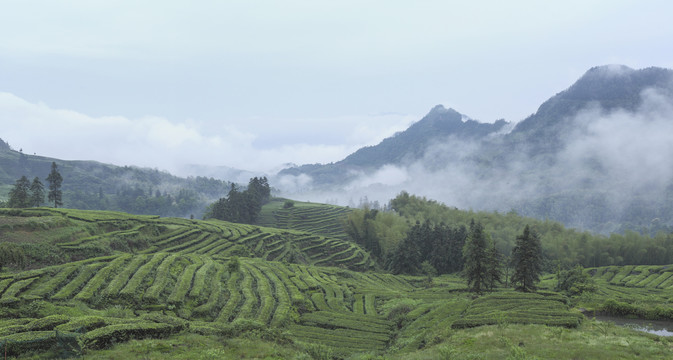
x: 241, y: 206
x: 31, y: 194
x: 413, y: 238
x: 561, y: 246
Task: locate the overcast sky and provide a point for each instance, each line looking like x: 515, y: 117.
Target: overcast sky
x: 255, y: 84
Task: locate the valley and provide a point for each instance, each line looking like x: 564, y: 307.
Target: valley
x: 98, y: 284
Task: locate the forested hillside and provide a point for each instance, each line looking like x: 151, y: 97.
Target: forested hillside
x: 96, y: 186
x: 439, y: 232
x: 594, y: 156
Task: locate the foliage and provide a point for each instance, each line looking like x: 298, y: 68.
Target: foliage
x: 567, y: 246
x: 575, y: 281
x: 18, y: 195
x: 242, y: 206
x: 493, y: 264
x: 36, y: 193
x: 440, y: 245
x: 233, y: 265
x: 154, y: 294
x: 407, y: 258
x: 475, y: 256
x: 514, y: 307
x: 55, y: 181
x: 11, y: 254
x: 360, y: 227
x: 527, y: 260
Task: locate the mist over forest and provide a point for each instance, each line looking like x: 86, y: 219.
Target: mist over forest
x: 595, y: 156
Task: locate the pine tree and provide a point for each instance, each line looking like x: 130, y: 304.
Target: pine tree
x: 474, y: 253
x: 55, y: 179
x: 18, y: 195
x: 527, y: 260
x: 406, y: 259
x: 36, y: 193
x: 494, y: 274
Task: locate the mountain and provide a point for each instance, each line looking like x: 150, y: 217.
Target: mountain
x: 439, y: 125
x: 595, y: 156
x: 609, y: 87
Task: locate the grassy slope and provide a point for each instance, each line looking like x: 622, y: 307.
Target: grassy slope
x: 322, y: 219
x: 173, y: 282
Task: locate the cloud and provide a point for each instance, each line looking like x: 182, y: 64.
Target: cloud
x: 616, y: 160
x: 261, y: 145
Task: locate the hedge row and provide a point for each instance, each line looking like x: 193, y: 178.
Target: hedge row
x: 250, y: 300
x: 215, y: 293
x: 82, y: 278
x: 52, y: 284
x: 123, y: 276
x: 227, y: 311
x: 92, y: 287
x: 132, y: 290
x: 9, y: 296
x: 161, y: 278
x: 200, y: 278
x: 333, y: 320
x: 24, y: 342
x: 108, y: 335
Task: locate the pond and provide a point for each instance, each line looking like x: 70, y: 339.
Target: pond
x: 657, y: 327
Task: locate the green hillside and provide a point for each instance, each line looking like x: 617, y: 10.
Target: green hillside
x: 108, y: 285
x: 323, y: 219
x: 91, y: 185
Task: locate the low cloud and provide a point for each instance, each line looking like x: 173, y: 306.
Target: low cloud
x: 624, y: 156
x: 258, y: 145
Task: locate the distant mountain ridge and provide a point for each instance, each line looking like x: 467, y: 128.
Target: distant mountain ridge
x: 550, y: 165
x: 610, y: 87
x: 407, y: 146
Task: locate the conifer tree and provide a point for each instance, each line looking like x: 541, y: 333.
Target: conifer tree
x: 493, y: 272
x: 474, y: 253
x: 36, y: 193
x: 55, y: 179
x: 527, y: 260
x: 18, y: 195
x: 406, y: 259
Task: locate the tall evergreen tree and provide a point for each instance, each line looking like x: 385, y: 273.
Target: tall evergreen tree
x: 36, y: 192
x: 55, y: 179
x: 493, y: 272
x: 406, y: 259
x: 474, y: 253
x: 242, y: 206
x: 527, y: 260
x: 18, y: 195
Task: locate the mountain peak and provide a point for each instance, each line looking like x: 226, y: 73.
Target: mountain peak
x: 441, y: 110
x: 609, y: 86
x: 609, y: 70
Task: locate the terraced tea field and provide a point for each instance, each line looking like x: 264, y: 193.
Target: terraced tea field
x: 138, y: 277
x: 200, y: 294
x: 322, y: 219
x: 100, y: 230
x: 641, y: 290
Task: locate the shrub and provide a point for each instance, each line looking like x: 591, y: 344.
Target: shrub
x: 47, y: 322
x: 575, y: 281
x: 104, y: 337
x: 82, y: 324
x: 24, y: 342
x: 233, y: 265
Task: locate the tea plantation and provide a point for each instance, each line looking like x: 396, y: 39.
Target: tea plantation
x: 106, y: 284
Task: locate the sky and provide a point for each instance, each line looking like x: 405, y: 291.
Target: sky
x: 256, y: 85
